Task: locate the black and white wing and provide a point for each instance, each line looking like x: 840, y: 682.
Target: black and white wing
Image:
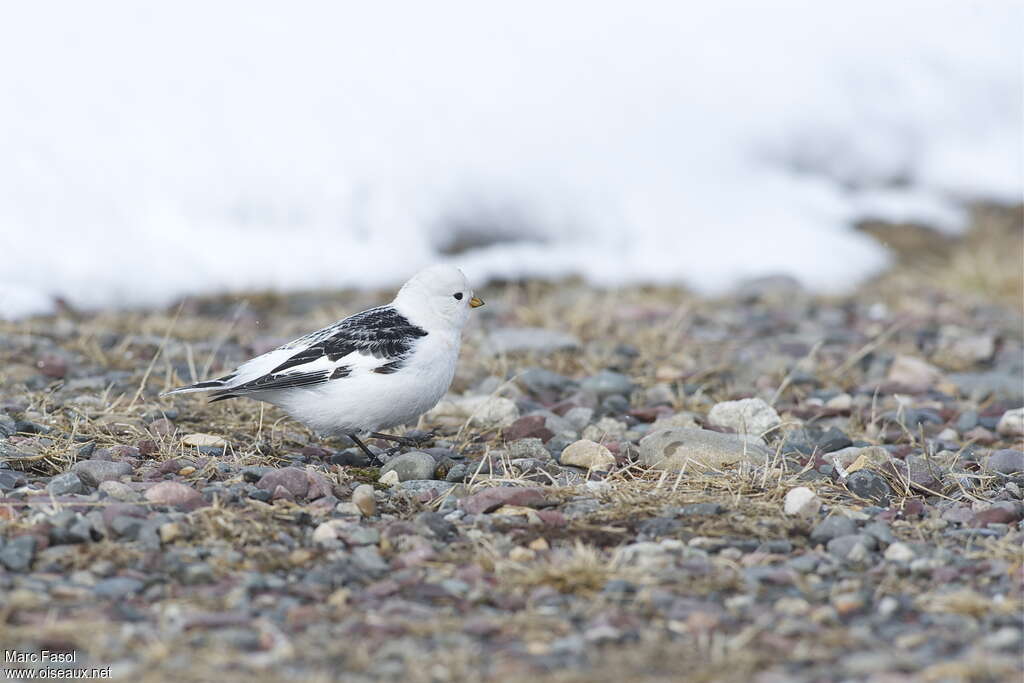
x: 377, y: 340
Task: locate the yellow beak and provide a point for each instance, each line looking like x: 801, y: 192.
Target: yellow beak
x: 476, y: 302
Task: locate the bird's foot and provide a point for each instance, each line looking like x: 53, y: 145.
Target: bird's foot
x: 407, y: 441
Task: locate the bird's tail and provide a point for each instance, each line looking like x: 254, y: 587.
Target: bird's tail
x: 220, y: 383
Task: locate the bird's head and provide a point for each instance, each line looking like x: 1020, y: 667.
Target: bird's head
x: 439, y: 294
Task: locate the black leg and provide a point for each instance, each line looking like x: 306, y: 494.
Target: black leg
x: 370, y: 454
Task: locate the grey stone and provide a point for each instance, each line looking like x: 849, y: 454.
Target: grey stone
x: 842, y: 546
x: 832, y: 527
x: 747, y: 416
x: 606, y: 383
x: 671, y: 449
x: 536, y: 339
x: 10, y: 480
x: 117, y: 587
x: 542, y: 380
x: 92, y: 472
x: 1006, y: 461
x: 7, y: 425
x: 64, y: 484
x: 409, y: 466
x: 869, y: 486
x: 17, y: 554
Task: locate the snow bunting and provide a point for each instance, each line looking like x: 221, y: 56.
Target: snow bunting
x: 374, y: 370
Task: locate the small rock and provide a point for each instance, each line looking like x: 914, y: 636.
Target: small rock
x: 1011, y: 423
x: 493, y: 498
x: 119, y: 491
x: 117, y: 587
x: 52, y: 365
x: 846, y: 546
x: 389, y: 479
x: 292, y: 479
x: 536, y: 339
x: 607, y: 428
x: 174, y: 494
x: 529, y: 427
x: 899, y: 552
x: 1006, y: 461
x: 606, y: 383
x: 364, y: 499
x: 10, y: 480
x: 833, y: 527
x: 802, y: 502
x: 413, y: 465
x: 671, y: 449
x: 161, y: 427
x: 327, y: 532
x: 579, y: 417
x: 64, y: 484
x: 92, y: 472
x: 869, y: 485
x: 588, y: 455
x: 17, y: 554
x: 480, y: 411
x: 913, y: 373
x: 197, y: 440
x: 542, y: 381
x: 747, y: 416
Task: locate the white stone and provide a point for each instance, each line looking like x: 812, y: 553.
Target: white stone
x: 389, y: 479
x: 802, y: 502
x: 747, y: 416
x: 588, y: 455
x: 480, y: 411
x: 899, y: 552
x: 1011, y: 423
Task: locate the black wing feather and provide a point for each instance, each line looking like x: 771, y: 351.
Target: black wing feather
x: 381, y: 332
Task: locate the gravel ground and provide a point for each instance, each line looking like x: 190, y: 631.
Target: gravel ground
x: 643, y: 484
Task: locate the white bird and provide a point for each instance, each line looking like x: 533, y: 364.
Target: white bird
x: 371, y: 371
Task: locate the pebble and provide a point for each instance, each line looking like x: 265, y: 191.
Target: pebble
x: 64, y: 484
x: 522, y: 339
x: 802, y: 502
x: 92, y: 472
x: 413, y: 465
x: 364, y: 499
x: 117, y: 587
x: 199, y: 439
x: 389, y: 479
x: 529, y: 427
x: 606, y: 383
x: 1006, y: 461
x: 493, y: 498
x: 747, y: 416
x: 1011, y: 423
x: 18, y: 552
x: 869, y: 485
x: 588, y: 455
x: 291, y: 479
x: 119, y: 491
x: 915, y: 374
x: 605, y: 429
x: 899, y: 552
x: 174, y: 494
x: 487, y: 412
x: 833, y: 527
x: 672, y: 449
x: 540, y: 381
x: 851, y: 546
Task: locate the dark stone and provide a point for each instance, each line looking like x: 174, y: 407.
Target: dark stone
x: 659, y: 526
x: 254, y: 473
x: 261, y: 494
x: 529, y: 427
x: 9, y: 480
x: 493, y: 498
x: 352, y: 457
x: 869, y: 486
x: 1006, y: 461
x: 700, y: 509
x: 833, y: 440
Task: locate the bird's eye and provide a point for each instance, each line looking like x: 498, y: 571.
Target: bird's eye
x: 458, y: 296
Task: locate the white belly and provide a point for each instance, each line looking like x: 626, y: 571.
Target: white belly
x: 367, y: 401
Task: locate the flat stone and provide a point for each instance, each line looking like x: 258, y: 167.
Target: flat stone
x: 1006, y: 461
x: 413, y: 465
x: 65, y: 484
x: 117, y: 587
x: 292, y: 479
x: 606, y: 383
x: 175, y: 494
x: 915, y: 374
x: 588, y: 455
x: 92, y: 472
x: 521, y: 339
x: 543, y: 381
x: 833, y: 527
x: 802, y: 502
x: 197, y: 440
x: 750, y: 416
x: 672, y: 449
x: 493, y: 498
x: 528, y: 427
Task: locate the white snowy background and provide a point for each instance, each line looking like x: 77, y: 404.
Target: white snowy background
x: 153, y: 150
